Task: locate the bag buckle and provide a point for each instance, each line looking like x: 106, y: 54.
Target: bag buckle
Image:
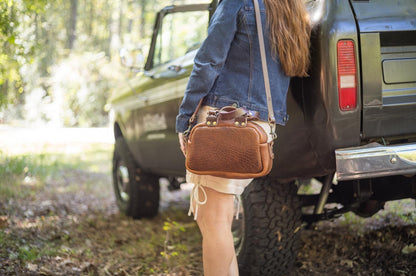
x: 272, y: 124
x: 212, y: 118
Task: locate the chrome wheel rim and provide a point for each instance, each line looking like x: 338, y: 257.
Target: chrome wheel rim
x: 123, y: 181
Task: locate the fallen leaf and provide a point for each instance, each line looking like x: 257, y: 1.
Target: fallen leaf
x: 4, y: 221
x: 32, y: 267
x: 409, y: 249
x: 347, y: 263
x: 46, y: 272
x: 279, y: 236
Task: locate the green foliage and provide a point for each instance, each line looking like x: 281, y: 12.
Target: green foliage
x: 27, y: 253
x: 78, y: 92
x: 16, y: 44
x: 173, y: 250
x: 34, y: 38
x: 20, y: 175
x: 394, y: 212
x: 7, y: 18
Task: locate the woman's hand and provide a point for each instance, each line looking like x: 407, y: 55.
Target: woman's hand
x: 182, y: 143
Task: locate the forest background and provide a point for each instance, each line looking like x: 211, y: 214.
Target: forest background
x: 59, y: 60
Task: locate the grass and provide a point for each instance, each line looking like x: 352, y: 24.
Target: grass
x: 22, y: 175
x: 58, y: 216
x: 399, y: 212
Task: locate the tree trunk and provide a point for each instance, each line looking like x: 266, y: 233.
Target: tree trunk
x: 120, y: 20
x: 91, y: 17
x: 131, y: 6
x: 142, y: 18
x: 107, y: 46
x: 72, y: 24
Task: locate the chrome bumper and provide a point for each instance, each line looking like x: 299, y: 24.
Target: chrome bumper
x: 375, y: 160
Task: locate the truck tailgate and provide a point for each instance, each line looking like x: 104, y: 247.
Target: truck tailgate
x: 388, y: 66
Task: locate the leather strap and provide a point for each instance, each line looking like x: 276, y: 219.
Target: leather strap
x: 271, y: 118
x: 193, y: 117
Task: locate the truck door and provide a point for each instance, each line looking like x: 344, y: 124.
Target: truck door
x: 388, y: 59
x: 178, y: 32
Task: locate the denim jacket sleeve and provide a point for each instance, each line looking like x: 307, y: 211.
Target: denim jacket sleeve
x: 210, y: 59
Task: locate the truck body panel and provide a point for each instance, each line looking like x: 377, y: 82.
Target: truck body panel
x: 388, y: 60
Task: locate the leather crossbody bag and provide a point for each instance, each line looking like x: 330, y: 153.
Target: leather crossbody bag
x: 229, y: 143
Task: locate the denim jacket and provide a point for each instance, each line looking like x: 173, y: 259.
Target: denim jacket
x: 227, y: 67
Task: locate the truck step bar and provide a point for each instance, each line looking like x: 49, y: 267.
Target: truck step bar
x: 375, y: 160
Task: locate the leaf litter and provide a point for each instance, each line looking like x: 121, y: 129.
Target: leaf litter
x: 70, y: 225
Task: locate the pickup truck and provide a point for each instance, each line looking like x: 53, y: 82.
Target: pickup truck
x: 352, y: 125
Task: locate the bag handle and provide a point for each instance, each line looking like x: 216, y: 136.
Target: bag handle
x: 271, y: 118
x: 231, y: 113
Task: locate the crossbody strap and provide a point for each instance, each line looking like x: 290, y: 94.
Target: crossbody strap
x: 271, y: 118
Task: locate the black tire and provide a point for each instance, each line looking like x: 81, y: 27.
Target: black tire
x: 137, y: 192
x: 269, y: 237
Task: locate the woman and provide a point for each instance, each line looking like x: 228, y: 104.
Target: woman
x: 227, y: 71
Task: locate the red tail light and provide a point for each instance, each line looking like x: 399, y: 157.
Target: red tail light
x: 347, y: 75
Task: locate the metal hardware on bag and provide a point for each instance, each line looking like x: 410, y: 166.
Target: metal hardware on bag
x: 191, y: 122
x: 192, y: 119
x: 212, y: 112
x: 252, y: 114
x: 212, y: 118
x: 273, y: 131
x: 209, y: 123
x: 187, y: 132
x: 271, y: 150
x: 272, y: 124
x: 241, y: 121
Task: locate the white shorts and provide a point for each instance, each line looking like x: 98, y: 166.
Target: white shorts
x: 223, y: 185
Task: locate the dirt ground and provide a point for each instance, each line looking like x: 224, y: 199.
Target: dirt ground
x: 71, y: 226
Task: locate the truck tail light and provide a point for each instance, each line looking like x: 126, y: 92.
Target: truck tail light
x: 347, y: 74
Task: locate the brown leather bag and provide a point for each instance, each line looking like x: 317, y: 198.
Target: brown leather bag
x: 229, y: 144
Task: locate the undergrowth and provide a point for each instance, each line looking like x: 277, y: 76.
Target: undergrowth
x: 58, y: 216
x: 23, y: 175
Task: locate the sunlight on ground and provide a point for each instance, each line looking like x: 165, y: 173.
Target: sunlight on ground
x: 16, y: 140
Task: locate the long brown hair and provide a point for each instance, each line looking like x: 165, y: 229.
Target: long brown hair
x: 289, y: 34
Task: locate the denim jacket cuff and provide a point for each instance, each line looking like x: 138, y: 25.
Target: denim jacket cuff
x: 182, y: 123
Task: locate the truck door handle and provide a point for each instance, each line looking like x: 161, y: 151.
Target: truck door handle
x: 172, y: 71
x: 175, y: 68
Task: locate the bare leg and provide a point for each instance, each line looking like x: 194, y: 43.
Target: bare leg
x: 234, y: 267
x: 214, y: 220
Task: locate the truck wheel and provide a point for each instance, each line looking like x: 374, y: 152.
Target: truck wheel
x: 267, y: 237
x: 137, y: 192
